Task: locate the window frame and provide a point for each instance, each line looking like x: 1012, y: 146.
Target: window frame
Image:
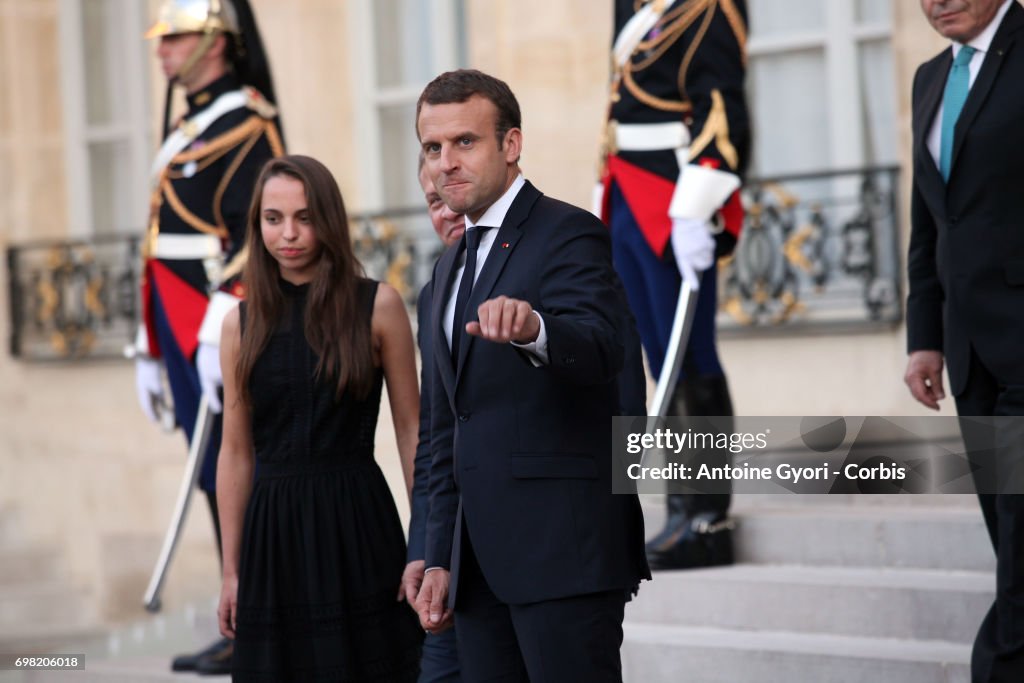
x: 840, y: 41
x: 448, y: 51
x: 133, y: 126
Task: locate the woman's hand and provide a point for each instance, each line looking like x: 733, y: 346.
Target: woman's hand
x: 227, y: 610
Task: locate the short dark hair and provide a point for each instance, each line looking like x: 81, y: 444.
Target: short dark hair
x: 454, y: 87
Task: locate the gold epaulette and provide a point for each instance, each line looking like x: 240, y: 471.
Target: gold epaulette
x: 255, y: 101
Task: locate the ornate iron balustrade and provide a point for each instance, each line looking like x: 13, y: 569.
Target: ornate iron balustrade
x: 79, y: 299
x: 819, y: 251
x: 73, y: 299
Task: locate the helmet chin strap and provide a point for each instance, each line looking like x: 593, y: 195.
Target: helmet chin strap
x: 205, y: 43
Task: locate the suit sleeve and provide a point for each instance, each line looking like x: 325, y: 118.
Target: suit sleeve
x: 632, y: 382
x: 421, y: 472
x: 443, y: 495
x: 926, y: 296
x: 581, y: 306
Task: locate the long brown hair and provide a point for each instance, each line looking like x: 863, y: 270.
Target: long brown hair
x: 337, y: 329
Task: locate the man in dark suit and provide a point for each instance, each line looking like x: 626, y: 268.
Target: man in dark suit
x: 440, y: 661
x: 966, y: 270
x: 525, y: 540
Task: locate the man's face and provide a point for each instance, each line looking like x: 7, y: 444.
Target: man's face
x: 448, y: 224
x: 960, y: 20
x: 469, y: 166
x: 174, y: 50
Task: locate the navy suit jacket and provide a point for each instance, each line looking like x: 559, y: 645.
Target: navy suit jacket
x: 632, y: 389
x: 421, y: 471
x: 966, y: 258
x: 521, y: 455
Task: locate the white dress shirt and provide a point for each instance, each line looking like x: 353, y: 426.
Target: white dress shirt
x: 493, y: 217
x: 981, y: 43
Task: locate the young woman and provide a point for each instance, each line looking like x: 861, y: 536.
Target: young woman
x: 313, y: 547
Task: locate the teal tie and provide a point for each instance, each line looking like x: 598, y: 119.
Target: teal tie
x: 957, y: 85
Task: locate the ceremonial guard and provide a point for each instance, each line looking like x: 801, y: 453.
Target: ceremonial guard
x: 676, y: 145
x: 202, y: 182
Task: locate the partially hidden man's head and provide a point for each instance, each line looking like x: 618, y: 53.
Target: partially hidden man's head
x: 470, y: 131
x: 960, y: 20
x: 449, y: 225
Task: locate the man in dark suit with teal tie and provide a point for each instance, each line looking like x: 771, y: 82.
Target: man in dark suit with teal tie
x: 966, y: 272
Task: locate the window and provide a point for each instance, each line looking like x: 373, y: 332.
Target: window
x: 821, y: 85
x: 106, y: 115
x: 410, y: 42
x: 398, y: 46
x: 819, y: 247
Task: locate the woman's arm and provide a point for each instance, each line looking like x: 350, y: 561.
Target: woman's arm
x: 393, y: 336
x: 234, y: 473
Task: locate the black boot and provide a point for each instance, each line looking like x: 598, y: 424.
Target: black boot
x: 697, y: 532
x: 705, y: 540
x: 214, y: 652
x: 707, y: 396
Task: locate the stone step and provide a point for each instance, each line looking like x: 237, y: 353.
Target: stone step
x: 756, y: 501
x: 138, y: 651
x: 912, y: 604
x: 41, y: 604
x: 938, y: 538
x: 948, y: 537
x: 88, y: 639
x: 8, y: 524
x: 167, y: 634
x: 31, y: 564
x: 856, y: 500
x: 652, y: 653
x: 147, y: 669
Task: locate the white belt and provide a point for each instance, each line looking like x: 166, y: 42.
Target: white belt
x: 186, y: 247
x: 649, y: 137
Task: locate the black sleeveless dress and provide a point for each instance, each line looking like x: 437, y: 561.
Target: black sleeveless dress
x: 322, y: 548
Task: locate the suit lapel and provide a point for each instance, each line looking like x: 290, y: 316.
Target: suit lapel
x: 925, y: 112
x: 1001, y: 44
x: 442, y: 288
x: 502, y: 247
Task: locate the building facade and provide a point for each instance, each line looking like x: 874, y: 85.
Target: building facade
x: 83, y: 472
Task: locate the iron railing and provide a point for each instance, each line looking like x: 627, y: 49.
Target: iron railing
x: 819, y: 251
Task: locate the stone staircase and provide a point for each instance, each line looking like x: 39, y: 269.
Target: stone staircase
x: 827, y: 589
x: 879, y: 589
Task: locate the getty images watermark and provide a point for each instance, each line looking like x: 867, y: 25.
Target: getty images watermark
x: 898, y: 455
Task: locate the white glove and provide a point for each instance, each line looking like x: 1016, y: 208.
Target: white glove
x: 148, y: 386
x: 694, y: 248
x: 210, y: 377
